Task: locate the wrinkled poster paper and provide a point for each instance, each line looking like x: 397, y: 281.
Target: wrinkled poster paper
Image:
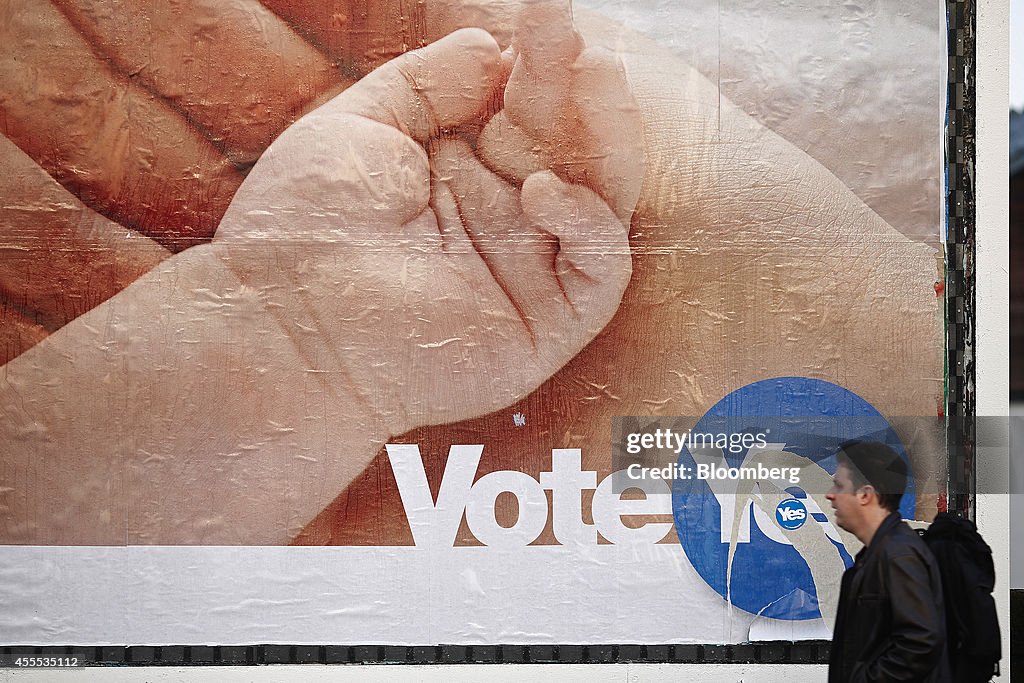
x: 255, y: 297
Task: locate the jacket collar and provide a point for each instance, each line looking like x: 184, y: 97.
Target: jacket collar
x: 884, y: 529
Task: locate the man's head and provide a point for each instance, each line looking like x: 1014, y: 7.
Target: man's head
x: 867, y: 486
x: 874, y: 464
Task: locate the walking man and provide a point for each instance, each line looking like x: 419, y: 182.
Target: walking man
x: 890, y: 624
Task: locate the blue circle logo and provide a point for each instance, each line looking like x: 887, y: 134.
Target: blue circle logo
x: 791, y: 514
x: 755, y: 540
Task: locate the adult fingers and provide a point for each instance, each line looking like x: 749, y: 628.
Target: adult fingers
x: 363, y: 34
x: 18, y: 332
x: 58, y: 258
x: 115, y: 145
x: 236, y: 70
x: 360, y: 34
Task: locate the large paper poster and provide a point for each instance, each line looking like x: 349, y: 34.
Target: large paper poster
x: 543, y: 324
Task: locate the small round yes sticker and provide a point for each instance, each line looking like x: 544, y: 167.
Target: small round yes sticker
x: 791, y: 514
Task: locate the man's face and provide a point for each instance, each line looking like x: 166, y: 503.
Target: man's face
x: 844, y: 499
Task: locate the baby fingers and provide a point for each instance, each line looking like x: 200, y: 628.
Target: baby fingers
x: 593, y: 263
x: 438, y: 87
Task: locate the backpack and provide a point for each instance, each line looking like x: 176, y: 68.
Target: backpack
x: 968, y: 577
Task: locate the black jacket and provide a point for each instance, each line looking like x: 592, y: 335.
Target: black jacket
x: 891, y: 624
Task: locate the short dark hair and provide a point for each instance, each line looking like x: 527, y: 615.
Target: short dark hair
x: 874, y: 463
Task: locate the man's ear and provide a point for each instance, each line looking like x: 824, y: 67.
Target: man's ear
x: 867, y: 493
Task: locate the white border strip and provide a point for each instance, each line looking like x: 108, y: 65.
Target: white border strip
x: 992, y: 276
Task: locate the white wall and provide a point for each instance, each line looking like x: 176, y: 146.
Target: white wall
x: 992, y: 277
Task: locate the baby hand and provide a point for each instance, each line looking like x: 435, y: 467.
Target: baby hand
x: 399, y: 265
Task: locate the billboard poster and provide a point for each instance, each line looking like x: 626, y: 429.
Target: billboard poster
x: 459, y: 321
